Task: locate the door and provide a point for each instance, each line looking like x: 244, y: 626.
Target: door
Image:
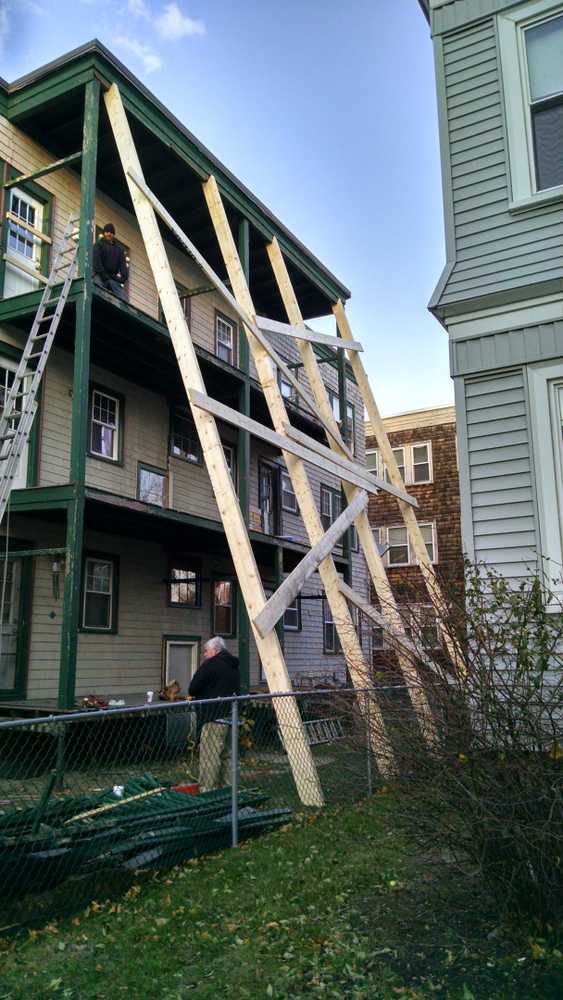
x: 181, y: 657
x: 7, y: 371
x: 23, y: 248
x: 269, y: 498
x: 10, y: 622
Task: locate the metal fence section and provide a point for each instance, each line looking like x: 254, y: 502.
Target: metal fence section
x: 90, y: 799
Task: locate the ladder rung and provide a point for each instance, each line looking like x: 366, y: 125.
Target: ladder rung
x: 45, y: 318
x: 20, y: 395
x: 37, y: 354
x: 8, y: 437
x: 40, y: 336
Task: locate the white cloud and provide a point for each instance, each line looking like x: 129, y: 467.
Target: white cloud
x: 150, y: 59
x: 173, y: 24
x: 138, y: 8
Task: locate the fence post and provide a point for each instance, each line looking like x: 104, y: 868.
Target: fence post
x: 234, y: 773
x: 368, y: 744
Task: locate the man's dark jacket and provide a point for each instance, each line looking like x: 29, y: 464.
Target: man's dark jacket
x: 109, y: 261
x: 218, y: 677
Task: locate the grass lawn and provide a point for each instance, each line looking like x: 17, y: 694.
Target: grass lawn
x: 330, y: 906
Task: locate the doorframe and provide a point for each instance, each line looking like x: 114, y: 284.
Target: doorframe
x: 276, y: 470
x: 19, y: 691
x: 166, y: 638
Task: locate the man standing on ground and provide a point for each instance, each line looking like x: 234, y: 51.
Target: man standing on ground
x: 110, y: 263
x: 217, y: 677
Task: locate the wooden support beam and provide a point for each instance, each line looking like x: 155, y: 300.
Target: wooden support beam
x: 330, y: 463
x: 289, y: 718
x: 241, y: 312
x: 43, y: 171
x: 21, y: 223
x: 376, y: 617
x: 411, y: 523
x: 303, y: 333
x: 331, y: 456
x: 292, y: 585
x: 365, y: 533
x: 259, y: 347
x: 28, y: 553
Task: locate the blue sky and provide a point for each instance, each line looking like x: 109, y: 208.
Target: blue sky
x: 326, y: 110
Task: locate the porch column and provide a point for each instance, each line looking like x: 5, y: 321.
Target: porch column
x: 243, y: 465
x: 80, y: 394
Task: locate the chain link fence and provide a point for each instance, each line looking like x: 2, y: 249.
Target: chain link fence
x: 90, y: 800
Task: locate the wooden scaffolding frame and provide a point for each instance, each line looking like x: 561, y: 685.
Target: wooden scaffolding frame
x: 297, y: 448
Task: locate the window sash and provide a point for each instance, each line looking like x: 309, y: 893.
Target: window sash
x: 19, y: 240
x: 185, y: 443
x: 292, y: 617
x: 331, y: 642
x: 223, y: 607
x: 184, y: 587
x: 420, y: 463
x: 288, y: 498
x: 104, y: 425
x: 395, y: 540
x: 97, y: 609
x: 224, y: 339
x: 151, y: 486
x: 331, y: 506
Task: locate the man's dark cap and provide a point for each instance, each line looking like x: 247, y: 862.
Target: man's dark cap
x: 109, y: 228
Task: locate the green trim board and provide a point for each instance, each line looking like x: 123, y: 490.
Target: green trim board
x: 38, y: 498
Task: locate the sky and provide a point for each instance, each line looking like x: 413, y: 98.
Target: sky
x: 326, y: 110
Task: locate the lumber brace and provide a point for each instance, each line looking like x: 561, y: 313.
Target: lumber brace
x: 293, y: 584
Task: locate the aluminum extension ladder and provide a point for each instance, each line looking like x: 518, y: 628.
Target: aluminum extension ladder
x: 20, y: 405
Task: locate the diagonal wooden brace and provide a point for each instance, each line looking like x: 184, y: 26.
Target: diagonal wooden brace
x: 303, y: 333
x: 293, y: 584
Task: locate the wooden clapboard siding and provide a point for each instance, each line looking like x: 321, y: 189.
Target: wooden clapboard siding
x: 56, y: 420
x: 191, y: 490
x: 500, y: 473
x: 495, y: 250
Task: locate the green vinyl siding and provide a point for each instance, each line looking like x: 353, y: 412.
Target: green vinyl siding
x: 494, y: 250
x: 499, y: 473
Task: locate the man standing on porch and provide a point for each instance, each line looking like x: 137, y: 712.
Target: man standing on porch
x: 217, y: 677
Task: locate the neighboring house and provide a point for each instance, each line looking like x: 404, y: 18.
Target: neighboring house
x: 424, y: 444
x: 114, y: 471
x: 500, y: 104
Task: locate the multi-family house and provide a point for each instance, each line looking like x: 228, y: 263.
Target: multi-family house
x: 424, y: 445
x: 132, y: 571
x: 499, y: 66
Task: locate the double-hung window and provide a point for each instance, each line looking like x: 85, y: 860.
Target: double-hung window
x: 288, y: 498
x: 99, y: 607
x: 184, y: 442
x: 224, y: 608
x: 292, y: 616
x: 230, y: 453
x: 531, y: 51
x: 106, y: 420
x: 331, y: 642
x: 225, y: 333
x: 184, y: 584
x: 414, y: 462
x: 331, y: 505
x: 395, y: 546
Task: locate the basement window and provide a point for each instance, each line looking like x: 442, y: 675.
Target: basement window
x: 99, y: 607
x: 106, y: 419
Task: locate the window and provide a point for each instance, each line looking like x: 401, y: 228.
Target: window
x: 350, y: 433
x: 331, y: 505
x: 99, y: 609
x: 225, y: 330
x: 420, y: 463
x: 286, y: 388
x: 150, y: 485
x: 419, y: 623
x: 377, y: 638
x: 224, y: 607
x: 544, y: 54
x: 292, y: 616
x: 184, y: 442
x: 398, y: 542
x: 331, y: 642
x: 288, y: 498
x: 394, y: 544
x: 21, y: 239
x: 185, y: 302
x: 334, y: 401
x: 531, y: 49
x: 184, y: 585
x: 106, y: 417
x: 231, y: 458
x: 414, y: 461
x: 545, y: 383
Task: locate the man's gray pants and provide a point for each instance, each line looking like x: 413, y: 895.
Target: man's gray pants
x: 214, y: 756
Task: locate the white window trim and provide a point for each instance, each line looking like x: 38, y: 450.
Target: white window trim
x: 14, y: 256
x: 408, y: 454
x: 232, y: 325
x: 514, y: 74
x: 117, y: 429
x: 548, y: 464
x: 287, y: 489
x: 382, y: 538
